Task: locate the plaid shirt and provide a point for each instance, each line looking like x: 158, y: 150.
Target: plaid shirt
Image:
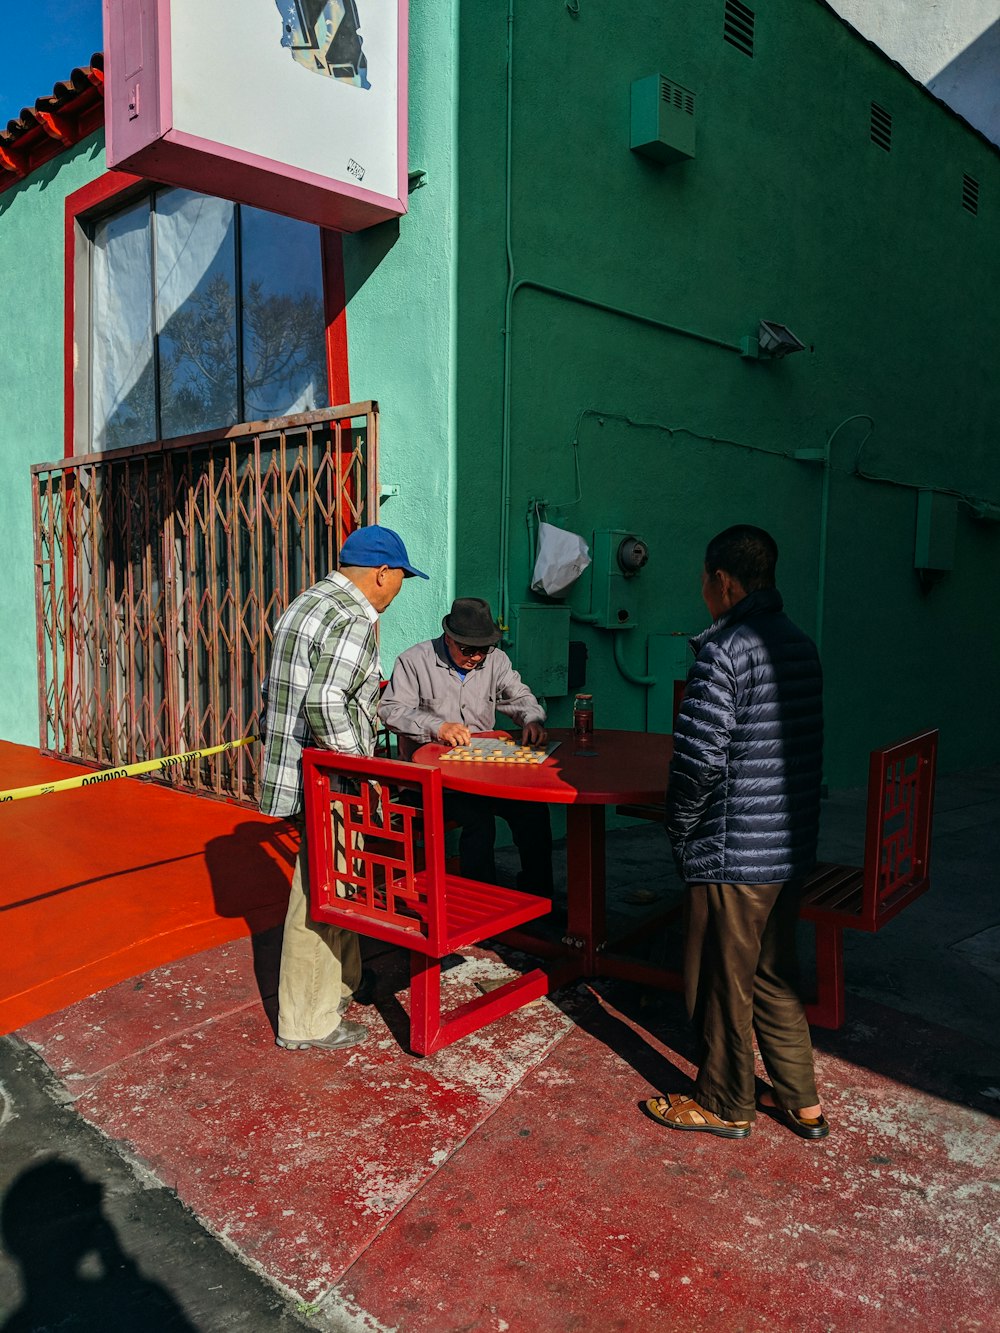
x: 322, y: 688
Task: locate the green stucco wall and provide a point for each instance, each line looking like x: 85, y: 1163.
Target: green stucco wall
x: 31, y: 403
x: 788, y: 212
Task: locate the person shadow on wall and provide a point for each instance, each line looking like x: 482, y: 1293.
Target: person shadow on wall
x: 75, y: 1274
x: 251, y: 871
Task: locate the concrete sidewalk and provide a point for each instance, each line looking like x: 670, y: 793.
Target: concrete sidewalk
x: 510, y: 1182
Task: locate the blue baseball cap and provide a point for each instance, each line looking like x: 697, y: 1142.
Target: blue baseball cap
x: 373, y: 546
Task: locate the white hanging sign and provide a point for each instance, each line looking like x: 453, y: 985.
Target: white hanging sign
x: 297, y: 106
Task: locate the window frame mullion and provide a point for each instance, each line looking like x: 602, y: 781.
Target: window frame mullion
x: 241, y: 407
x: 154, y: 313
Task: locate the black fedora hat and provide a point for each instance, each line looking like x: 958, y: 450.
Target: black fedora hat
x: 471, y: 622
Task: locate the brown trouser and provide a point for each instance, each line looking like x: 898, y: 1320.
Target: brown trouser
x: 320, y: 963
x: 741, y: 977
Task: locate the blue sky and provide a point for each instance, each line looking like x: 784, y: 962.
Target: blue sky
x: 42, y: 41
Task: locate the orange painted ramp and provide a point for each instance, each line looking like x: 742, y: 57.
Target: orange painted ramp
x: 105, y: 882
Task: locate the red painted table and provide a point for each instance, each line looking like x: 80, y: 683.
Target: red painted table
x: 624, y: 768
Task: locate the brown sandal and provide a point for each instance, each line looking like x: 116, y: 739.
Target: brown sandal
x: 805, y: 1127
x: 677, y: 1111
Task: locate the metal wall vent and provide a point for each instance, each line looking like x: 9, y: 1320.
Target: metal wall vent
x: 662, y: 119
x: 681, y: 99
x: 738, y: 27
x: 880, y: 129
x: 970, y: 194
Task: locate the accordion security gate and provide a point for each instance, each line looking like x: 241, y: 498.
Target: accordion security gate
x: 160, y: 572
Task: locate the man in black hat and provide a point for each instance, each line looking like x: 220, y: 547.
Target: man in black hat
x: 446, y: 689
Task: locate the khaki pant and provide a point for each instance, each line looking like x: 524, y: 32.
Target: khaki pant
x: 741, y: 977
x: 320, y: 963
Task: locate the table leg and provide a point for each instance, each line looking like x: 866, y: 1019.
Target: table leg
x: 585, y: 882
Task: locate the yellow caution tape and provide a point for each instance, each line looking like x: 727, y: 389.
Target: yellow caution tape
x: 113, y: 774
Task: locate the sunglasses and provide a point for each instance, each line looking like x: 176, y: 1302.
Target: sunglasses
x: 474, y: 649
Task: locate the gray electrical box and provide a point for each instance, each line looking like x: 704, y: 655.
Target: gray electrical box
x: 662, y: 124
x: 541, y: 647
x: 618, y: 555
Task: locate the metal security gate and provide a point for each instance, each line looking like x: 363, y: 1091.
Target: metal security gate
x: 160, y: 572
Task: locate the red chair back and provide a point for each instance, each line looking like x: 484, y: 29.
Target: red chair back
x: 900, y: 818
x: 385, y: 877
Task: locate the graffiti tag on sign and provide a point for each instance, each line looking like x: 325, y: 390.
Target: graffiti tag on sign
x: 324, y: 36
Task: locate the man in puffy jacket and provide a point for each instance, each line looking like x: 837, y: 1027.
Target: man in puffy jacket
x: 742, y: 816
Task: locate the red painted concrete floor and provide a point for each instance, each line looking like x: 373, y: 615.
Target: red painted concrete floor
x: 509, y: 1182
x: 102, y: 883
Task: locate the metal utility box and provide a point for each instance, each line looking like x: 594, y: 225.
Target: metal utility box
x: 937, y: 526
x: 618, y: 555
x: 541, y: 647
x: 662, y: 124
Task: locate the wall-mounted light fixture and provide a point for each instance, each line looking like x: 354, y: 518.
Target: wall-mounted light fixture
x: 772, y: 342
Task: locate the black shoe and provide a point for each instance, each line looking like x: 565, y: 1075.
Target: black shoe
x: 541, y: 885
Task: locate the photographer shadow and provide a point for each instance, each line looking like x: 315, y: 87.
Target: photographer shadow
x: 74, y: 1271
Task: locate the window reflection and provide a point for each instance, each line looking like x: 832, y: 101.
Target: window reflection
x: 196, y: 312
x: 227, y: 348
x: 284, y: 356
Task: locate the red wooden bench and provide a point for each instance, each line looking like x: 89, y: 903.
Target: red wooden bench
x: 392, y: 884
x: 896, y: 868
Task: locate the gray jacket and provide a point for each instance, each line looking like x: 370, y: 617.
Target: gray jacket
x: 426, y: 691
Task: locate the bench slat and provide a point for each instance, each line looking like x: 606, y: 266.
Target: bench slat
x: 835, y: 889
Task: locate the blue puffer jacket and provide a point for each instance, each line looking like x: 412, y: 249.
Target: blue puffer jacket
x: 743, y: 800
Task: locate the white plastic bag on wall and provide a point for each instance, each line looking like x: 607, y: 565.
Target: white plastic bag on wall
x: 562, y: 558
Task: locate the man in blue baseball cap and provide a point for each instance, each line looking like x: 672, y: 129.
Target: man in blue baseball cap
x: 375, y: 546
x: 323, y: 689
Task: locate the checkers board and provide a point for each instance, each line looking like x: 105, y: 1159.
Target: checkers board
x: 488, y: 750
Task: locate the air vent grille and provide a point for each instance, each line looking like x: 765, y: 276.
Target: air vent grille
x: 682, y: 99
x: 738, y: 27
x: 970, y: 194
x: 662, y: 119
x: 881, y: 127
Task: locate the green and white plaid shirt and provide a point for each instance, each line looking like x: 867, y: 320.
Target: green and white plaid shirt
x: 322, y: 688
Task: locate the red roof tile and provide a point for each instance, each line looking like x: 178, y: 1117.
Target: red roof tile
x: 74, y: 109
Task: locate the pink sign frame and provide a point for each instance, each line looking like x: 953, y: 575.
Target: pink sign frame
x: 142, y: 138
